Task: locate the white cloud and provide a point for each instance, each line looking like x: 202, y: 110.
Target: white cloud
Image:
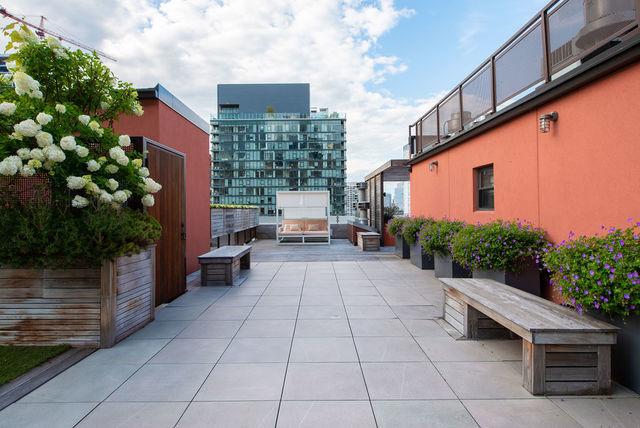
x: 471, y: 26
x: 191, y: 46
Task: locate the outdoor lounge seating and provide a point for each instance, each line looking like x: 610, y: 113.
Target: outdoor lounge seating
x: 305, y: 217
x: 222, y: 265
x: 563, y: 353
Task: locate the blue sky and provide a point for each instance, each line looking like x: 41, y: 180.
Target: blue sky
x: 443, y: 41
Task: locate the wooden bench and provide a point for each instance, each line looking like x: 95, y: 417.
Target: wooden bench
x: 369, y: 241
x: 222, y: 265
x: 563, y: 353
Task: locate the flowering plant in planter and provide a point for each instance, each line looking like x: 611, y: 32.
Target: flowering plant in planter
x: 411, y: 227
x: 498, y: 245
x: 435, y: 236
x: 53, y: 106
x: 395, y: 225
x: 600, y: 273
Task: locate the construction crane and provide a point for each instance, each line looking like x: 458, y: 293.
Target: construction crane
x: 41, y: 31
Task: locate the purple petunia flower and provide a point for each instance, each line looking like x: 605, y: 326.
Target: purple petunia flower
x: 591, y: 272
x: 626, y: 297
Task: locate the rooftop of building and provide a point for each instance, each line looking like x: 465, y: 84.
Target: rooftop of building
x: 161, y: 93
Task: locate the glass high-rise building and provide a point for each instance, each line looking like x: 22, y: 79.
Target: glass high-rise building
x: 267, y: 138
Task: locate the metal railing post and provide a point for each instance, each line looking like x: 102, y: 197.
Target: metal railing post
x: 546, y: 67
x: 461, y: 107
x: 437, y: 123
x: 494, y: 103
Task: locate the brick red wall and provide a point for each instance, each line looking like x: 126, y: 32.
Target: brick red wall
x: 162, y: 124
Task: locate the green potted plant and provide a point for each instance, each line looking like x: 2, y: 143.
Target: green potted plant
x: 600, y: 276
x: 410, y: 230
x: 504, y: 251
x: 72, y: 192
x: 395, y: 228
x: 435, y: 238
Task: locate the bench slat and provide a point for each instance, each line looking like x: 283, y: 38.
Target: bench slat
x: 229, y: 251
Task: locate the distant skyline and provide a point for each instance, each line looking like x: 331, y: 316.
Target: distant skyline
x: 383, y: 63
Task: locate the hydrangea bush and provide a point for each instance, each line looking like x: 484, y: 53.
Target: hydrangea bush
x: 395, y: 225
x: 57, y: 107
x: 412, y: 226
x: 435, y: 237
x: 598, y: 273
x: 498, y: 245
x: 52, y: 108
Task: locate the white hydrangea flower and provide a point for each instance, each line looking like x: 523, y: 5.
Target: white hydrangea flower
x: 15, y: 136
x: 150, y: 186
x: 92, y: 188
x: 120, y: 196
x: 95, y: 127
x: 28, y: 128
x: 68, y: 143
x: 93, y: 166
x: 24, y: 154
x: 37, y: 94
x: 84, y: 119
x: 123, y: 160
x: 137, y: 109
x: 7, y: 109
x: 111, y: 169
x: 48, y: 165
x: 137, y: 163
x: 10, y: 165
x: 35, y: 163
x: 104, y: 105
x: 128, y: 192
x: 53, y: 153
x: 124, y: 141
x: 53, y: 43
x: 143, y: 172
x: 79, y: 202
x: 27, y: 171
x: 112, y: 184
x: 82, y: 151
x: 116, y: 152
x: 43, y: 118
x: 148, y: 200
x: 26, y: 85
x: 36, y: 154
x: 105, y: 197
x: 75, y: 183
x: 60, y: 108
x: 44, y: 139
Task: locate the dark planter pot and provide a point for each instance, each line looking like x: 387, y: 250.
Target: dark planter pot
x: 446, y: 267
x: 402, y: 248
x: 528, y: 279
x: 626, y: 352
x: 420, y: 259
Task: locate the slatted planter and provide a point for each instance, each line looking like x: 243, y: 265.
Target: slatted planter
x: 401, y: 247
x: 227, y: 221
x: 82, y: 307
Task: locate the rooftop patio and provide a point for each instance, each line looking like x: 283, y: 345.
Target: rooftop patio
x: 316, y: 336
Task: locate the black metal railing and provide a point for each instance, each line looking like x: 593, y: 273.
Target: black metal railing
x: 559, y: 37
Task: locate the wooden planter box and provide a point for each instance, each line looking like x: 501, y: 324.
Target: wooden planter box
x: 225, y: 221
x: 446, y: 267
x: 94, y: 307
x: 401, y: 247
x: 419, y: 258
x: 528, y: 279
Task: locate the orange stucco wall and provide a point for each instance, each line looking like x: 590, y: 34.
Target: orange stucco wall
x: 581, y: 175
x: 162, y: 124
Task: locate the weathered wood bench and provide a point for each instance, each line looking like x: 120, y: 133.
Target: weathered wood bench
x: 369, y: 241
x: 222, y: 265
x: 563, y: 353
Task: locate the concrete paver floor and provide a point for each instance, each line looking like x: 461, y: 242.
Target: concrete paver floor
x: 344, y: 342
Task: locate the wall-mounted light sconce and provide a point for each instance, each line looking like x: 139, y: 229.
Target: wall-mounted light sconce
x: 545, y: 121
x: 433, y: 166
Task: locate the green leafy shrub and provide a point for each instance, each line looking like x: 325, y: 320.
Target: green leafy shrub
x: 598, y: 273
x: 231, y: 206
x: 395, y: 225
x: 45, y: 236
x: 435, y: 237
x: 412, y: 226
x: 498, y: 245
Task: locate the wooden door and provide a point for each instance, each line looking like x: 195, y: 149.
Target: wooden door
x: 167, y: 167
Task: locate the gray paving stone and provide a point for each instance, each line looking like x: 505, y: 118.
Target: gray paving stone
x: 324, y: 381
x: 210, y: 329
x: 417, y: 312
x: 160, y: 330
x: 358, y: 291
x: 163, y: 382
x: 274, y: 313
x: 370, y: 312
x: 322, y: 312
x: 531, y: 413
x: 363, y: 300
x: 139, y: 415
x: 179, y: 313
x: 321, y: 414
x: 449, y: 349
x: 385, y: 327
x: 378, y: 349
x: 321, y: 300
x: 243, y: 382
x: 228, y: 300
x: 257, y: 350
x: 422, y: 413
x: 252, y: 414
x: 229, y: 313
x: 478, y: 380
x: 405, y: 381
x: 129, y: 351
x: 322, y: 328
x: 44, y: 415
x: 325, y: 349
x: 278, y: 301
x: 191, y: 351
x: 425, y: 328
x: 623, y: 412
x: 267, y: 328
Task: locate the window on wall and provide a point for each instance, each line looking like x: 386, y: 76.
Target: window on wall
x: 484, y: 187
